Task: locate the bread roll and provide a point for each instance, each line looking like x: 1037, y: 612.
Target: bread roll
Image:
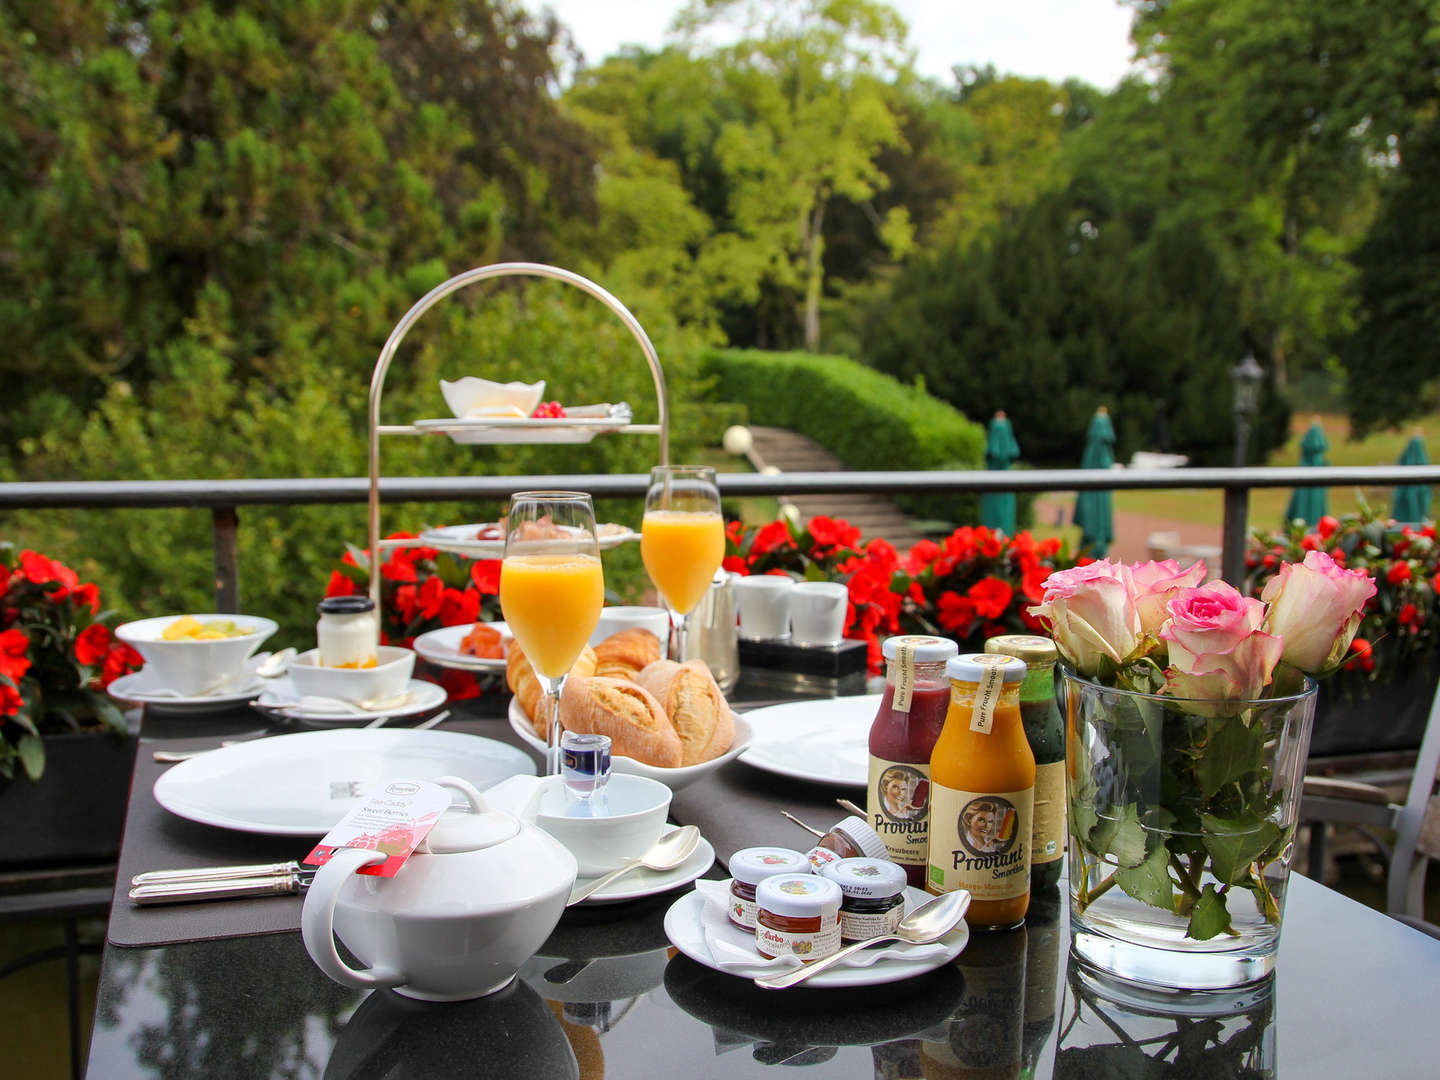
x: 529, y: 688
x: 623, y: 654
x: 696, y: 707
x: 629, y: 714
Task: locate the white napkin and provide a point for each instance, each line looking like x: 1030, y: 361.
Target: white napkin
x: 733, y: 949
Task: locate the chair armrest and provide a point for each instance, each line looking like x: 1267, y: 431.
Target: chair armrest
x: 1331, y: 788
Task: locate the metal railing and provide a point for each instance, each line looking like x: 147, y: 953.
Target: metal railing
x: 225, y: 497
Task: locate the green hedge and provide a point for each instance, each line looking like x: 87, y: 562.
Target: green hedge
x: 866, y: 419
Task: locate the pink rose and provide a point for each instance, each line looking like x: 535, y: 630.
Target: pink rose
x: 1217, y: 650
x: 1316, y: 606
x: 1155, y: 583
x: 1090, y: 613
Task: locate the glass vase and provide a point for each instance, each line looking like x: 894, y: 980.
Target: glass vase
x: 1182, y: 822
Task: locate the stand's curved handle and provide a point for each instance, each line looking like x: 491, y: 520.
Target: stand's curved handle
x: 317, y: 921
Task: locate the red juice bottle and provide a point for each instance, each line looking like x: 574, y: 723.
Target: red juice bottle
x: 907, y: 724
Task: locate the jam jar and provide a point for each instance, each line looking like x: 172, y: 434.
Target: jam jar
x: 849, y: 838
x: 348, y: 632
x: 873, y: 892
x: 799, y: 915
x: 748, y: 868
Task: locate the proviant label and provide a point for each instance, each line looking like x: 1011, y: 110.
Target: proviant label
x: 899, y: 805
x: 980, y: 841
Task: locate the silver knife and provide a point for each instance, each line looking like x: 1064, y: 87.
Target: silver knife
x: 180, y: 892
x: 216, y: 873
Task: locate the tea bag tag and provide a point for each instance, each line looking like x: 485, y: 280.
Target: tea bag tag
x: 394, y: 818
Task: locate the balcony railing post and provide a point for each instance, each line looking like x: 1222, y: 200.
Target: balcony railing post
x: 1233, y: 535
x: 225, y: 523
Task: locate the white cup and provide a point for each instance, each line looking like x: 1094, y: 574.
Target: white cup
x: 817, y: 612
x: 763, y: 603
x: 615, y: 619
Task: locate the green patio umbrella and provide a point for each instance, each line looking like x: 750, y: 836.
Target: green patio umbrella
x: 1092, y: 508
x: 1312, y: 503
x: 1412, y: 501
x: 997, y: 509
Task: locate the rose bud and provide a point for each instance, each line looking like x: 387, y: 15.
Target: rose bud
x: 1090, y: 612
x: 1217, y: 649
x: 1316, y: 606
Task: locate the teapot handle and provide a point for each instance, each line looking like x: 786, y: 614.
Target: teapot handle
x: 317, y: 921
x: 469, y: 790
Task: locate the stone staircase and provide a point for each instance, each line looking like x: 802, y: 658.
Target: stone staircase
x: 874, y: 516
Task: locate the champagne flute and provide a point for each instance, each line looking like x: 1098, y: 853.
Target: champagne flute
x: 551, y: 589
x: 682, y: 540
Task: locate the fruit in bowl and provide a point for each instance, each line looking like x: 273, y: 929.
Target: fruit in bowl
x: 197, y: 653
x: 387, y: 679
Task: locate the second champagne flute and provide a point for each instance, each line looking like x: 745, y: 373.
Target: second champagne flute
x: 682, y: 539
x: 551, y: 589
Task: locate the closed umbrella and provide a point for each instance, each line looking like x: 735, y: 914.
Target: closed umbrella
x: 997, y: 509
x: 1310, y: 504
x: 1412, y: 501
x: 1092, y: 508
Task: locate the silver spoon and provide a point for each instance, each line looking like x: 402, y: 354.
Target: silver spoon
x: 668, y: 852
x: 274, y: 665
x: 929, y: 922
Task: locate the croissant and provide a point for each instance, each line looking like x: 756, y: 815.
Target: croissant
x: 623, y: 654
x: 696, y: 707
x: 629, y: 714
x: 529, y: 688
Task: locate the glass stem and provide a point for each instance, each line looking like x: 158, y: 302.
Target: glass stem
x: 553, y: 728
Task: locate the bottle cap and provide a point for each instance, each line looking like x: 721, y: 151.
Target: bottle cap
x: 866, y: 878
x: 971, y: 667
x: 753, y: 865
x: 799, y: 896
x: 1035, y: 651
x: 345, y: 605
x: 866, y: 840
x: 928, y: 650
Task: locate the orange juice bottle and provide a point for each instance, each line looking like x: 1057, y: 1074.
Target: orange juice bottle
x: 681, y: 550
x: 982, y: 792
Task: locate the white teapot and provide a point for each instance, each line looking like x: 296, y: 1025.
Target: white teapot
x: 474, y: 901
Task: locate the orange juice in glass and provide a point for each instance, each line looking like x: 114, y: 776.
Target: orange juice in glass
x: 551, y: 589
x: 682, y: 539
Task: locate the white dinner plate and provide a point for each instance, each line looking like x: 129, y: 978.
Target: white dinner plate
x: 645, y: 882
x: 686, y: 932
x: 675, y: 779
x: 443, y: 647
x: 141, y: 688
x: 825, y: 741
x: 301, y: 785
x: 463, y: 539
x: 280, y: 696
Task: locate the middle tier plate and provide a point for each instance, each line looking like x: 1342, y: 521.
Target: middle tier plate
x: 486, y: 540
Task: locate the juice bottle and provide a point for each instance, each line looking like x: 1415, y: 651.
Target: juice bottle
x: 911, y: 714
x: 1045, y: 732
x: 982, y: 792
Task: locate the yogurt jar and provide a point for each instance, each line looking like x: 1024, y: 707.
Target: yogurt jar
x: 348, y: 632
x: 748, y: 868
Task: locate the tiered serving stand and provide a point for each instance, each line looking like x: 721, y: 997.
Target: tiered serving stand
x: 512, y: 431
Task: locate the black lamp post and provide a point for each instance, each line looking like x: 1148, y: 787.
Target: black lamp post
x: 1247, y: 376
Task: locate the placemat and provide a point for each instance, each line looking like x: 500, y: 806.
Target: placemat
x: 156, y: 839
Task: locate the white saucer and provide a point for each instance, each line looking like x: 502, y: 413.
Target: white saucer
x: 643, y: 882
x: 138, y: 688
x: 423, y: 696
x: 443, y: 647
x: 686, y: 931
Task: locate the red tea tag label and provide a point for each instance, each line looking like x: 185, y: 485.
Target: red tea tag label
x: 394, y: 819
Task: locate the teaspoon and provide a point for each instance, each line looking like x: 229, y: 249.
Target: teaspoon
x: 668, y: 852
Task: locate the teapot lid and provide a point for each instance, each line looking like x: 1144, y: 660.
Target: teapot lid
x: 472, y: 828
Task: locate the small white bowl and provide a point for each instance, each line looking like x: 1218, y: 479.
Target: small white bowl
x: 388, y: 678
x: 633, y: 817
x: 191, y: 667
x: 468, y: 396
x: 615, y: 619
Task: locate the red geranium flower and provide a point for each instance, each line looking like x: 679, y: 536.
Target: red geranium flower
x: 956, y: 612
x: 87, y: 595
x: 37, y: 568
x: 339, y: 585
x: 486, y: 576
x: 1032, y: 583
x: 735, y: 564
x: 121, y: 660
x: 1399, y: 572
x: 769, y: 538
x: 10, y: 699
x: 458, y: 608
x: 1406, y: 615
x: 1327, y: 526
x: 991, y: 597
x: 92, y: 644
x: 13, y: 661
x: 430, y: 596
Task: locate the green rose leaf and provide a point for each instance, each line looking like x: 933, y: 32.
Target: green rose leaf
x: 1209, y: 917
x: 1083, y: 818
x: 32, y: 756
x: 1235, y: 842
x: 451, y: 570
x: 1122, y: 837
x: 1233, y: 750
x: 1150, y: 881
x: 362, y: 559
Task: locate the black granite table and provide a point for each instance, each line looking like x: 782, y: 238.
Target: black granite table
x: 1355, y: 994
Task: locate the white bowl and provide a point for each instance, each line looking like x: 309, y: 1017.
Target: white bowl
x: 470, y: 395
x: 635, y: 807
x: 192, y: 667
x: 618, y: 618
x: 674, y: 779
x: 388, y: 678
